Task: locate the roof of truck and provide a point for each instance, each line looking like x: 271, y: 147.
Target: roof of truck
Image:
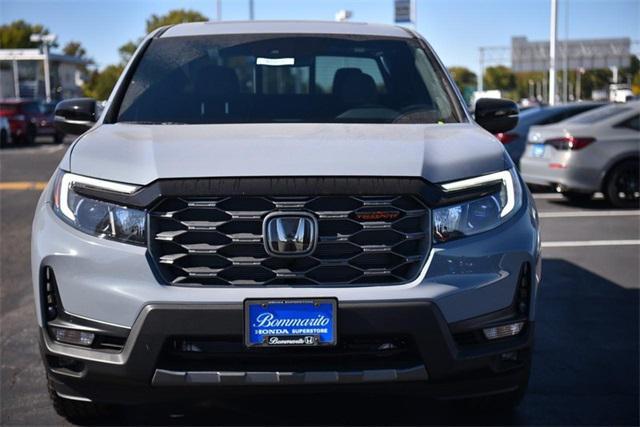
x: 285, y: 27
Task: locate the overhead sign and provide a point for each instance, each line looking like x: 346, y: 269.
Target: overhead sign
x: 581, y: 54
x: 403, y: 11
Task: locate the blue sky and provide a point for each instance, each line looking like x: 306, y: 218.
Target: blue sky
x: 455, y: 28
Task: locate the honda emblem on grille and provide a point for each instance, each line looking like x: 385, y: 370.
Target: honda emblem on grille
x: 290, y: 234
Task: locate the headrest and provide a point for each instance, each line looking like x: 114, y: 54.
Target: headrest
x: 354, y: 87
x: 214, y: 80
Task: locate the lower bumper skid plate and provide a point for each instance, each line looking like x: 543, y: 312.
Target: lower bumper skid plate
x: 164, y: 377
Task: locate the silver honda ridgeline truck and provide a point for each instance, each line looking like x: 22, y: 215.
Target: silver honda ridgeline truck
x: 276, y: 205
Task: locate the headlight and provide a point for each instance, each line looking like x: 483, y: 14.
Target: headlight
x: 96, y: 217
x: 478, y: 215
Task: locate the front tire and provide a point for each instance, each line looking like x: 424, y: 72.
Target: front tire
x: 4, y: 138
x: 29, y: 136
x: 58, y: 138
x: 622, y: 188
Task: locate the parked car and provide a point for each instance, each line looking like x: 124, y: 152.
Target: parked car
x: 268, y: 205
x: 515, y: 140
x: 46, y: 126
x: 28, y: 119
x: 5, y: 131
x: 594, y: 151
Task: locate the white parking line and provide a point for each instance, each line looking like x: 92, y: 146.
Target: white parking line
x: 39, y: 149
x: 574, y: 214
x: 558, y: 196
x: 547, y: 196
x: 585, y: 243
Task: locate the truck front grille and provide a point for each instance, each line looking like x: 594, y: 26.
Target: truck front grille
x: 218, y: 241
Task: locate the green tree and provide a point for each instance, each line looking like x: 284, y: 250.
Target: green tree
x: 176, y: 16
x: 523, y: 86
x: 173, y: 17
x: 16, y: 34
x: 633, y: 68
x: 595, y: 80
x: 499, y: 77
x: 126, y: 51
x: 635, y: 84
x: 101, y: 83
x: 463, y: 77
x: 75, y: 48
x: 631, y: 74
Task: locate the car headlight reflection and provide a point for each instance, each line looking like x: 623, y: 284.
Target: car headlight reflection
x: 96, y: 217
x: 481, y: 214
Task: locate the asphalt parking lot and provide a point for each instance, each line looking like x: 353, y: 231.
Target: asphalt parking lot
x: 586, y: 358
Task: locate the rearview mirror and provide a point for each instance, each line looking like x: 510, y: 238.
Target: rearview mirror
x: 496, y: 115
x: 75, y: 116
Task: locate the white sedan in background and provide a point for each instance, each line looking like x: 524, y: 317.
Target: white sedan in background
x: 595, y: 151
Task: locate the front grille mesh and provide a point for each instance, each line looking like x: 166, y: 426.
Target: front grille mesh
x: 218, y: 241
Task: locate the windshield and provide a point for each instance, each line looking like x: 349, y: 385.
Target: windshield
x: 598, y: 114
x: 286, y: 79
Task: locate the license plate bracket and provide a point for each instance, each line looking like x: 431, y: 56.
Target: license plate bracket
x: 537, y: 150
x: 290, y: 322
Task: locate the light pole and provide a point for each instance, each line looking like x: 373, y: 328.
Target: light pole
x: 553, y: 24
x: 45, y: 40
x: 579, y: 74
x: 565, y: 53
x: 16, y: 79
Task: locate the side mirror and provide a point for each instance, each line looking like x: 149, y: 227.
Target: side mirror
x: 496, y: 115
x: 75, y: 116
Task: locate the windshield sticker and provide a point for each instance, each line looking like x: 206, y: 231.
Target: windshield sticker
x: 275, y: 62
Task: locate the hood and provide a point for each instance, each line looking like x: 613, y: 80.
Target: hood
x: 140, y: 154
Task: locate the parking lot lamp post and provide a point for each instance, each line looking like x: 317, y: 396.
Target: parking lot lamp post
x: 46, y: 40
x: 16, y: 79
x: 553, y: 24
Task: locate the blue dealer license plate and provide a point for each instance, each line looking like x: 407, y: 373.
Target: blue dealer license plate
x: 286, y: 323
x: 537, y: 150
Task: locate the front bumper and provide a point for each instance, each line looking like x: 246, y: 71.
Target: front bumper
x: 112, y: 284
x: 440, y: 365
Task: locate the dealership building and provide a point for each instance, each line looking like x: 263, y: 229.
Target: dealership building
x: 23, y: 74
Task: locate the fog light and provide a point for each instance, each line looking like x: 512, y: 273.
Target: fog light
x: 512, y: 356
x: 503, y: 331
x: 72, y: 336
x: 387, y: 346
